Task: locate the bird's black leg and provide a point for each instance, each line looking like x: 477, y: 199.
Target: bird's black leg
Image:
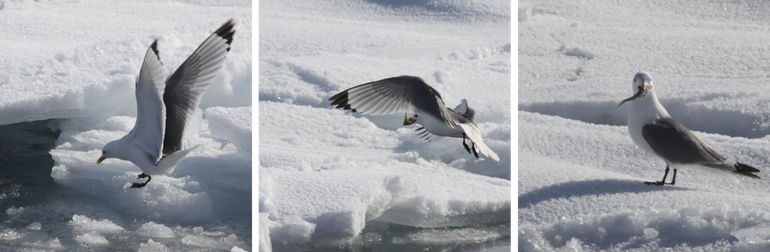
x: 663, y: 181
x: 673, y: 180
x: 140, y: 185
x: 473, y: 147
x: 466, y: 145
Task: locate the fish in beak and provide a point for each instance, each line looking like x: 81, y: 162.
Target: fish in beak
x: 408, y: 121
x: 639, y: 94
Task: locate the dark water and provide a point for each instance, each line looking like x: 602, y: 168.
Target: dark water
x: 34, y: 210
x: 25, y: 164
x: 381, y: 237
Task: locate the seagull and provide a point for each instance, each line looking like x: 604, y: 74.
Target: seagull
x: 163, y: 105
x: 654, y: 131
x: 412, y: 94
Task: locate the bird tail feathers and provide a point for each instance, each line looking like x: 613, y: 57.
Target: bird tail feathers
x: 746, y: 170
x: 473, y: 133
x: 169, y: 161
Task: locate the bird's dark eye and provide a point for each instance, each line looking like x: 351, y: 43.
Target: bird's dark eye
x: 104, y: 152
x: 415, y: 116
x: 634, y: 79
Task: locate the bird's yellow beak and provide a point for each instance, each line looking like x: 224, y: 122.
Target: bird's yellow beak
x: 100, y: 160
x: 408, y: 121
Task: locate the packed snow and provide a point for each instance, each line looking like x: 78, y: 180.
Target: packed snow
x: 335, y: 179
x: 579, y: 173
x: 76, y: 62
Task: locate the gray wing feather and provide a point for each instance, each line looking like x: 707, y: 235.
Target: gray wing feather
x: 185, y: 87
x: 150, y: 112
x: 675, y: 143
x: 387, y: 96
x: 424, y: 134
x: 467, y: 113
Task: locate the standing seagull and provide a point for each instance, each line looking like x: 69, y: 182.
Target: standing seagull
x: 654, y: 131
x: 412, y: 94
x: 163, y: 105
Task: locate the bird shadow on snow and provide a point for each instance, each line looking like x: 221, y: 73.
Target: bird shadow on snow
x: 588, y: 187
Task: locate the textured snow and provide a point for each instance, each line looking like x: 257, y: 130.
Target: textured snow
x: 580, y: 175
x: 330, y: 177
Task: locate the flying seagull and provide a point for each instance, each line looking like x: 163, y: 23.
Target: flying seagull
x: 654, y: 131
x: 412, y: 94
x: 163, y: 105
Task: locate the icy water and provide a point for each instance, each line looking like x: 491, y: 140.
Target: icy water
x: 382, y: 236
x: 37, y: 214
x: 25, y: 165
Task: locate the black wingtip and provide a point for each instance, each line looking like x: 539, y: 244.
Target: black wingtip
x: 226, y: 32
x: 154, y: 48
x: 341, y: 100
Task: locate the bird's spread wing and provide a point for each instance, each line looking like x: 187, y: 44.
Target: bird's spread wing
x: 675, y: 143
x: 185, y: 87
x: 386, y: 96
x: 150, y: 111
x: 462, y: 108
x: 473, y: 133
x: 466, y: 113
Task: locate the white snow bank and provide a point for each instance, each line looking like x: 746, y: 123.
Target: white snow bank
x: 232, y: 125
x: 580, y: 175
x: 371, y: 175
x: 383, y: 11
x: 265, y: 244
x: 523, y: 11
x: 693, y: 227
x: 331, y: 177
x: 94, y: 77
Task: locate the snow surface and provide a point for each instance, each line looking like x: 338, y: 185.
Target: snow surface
x: 327, y: 175
x: 77, y: 61
x: 580, y: 175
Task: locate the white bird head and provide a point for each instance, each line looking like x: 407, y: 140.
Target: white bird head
x: 642, y: 85
x: 108, y: 151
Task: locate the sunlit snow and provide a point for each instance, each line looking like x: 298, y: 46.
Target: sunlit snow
x: 330, y: 177
x: 580, y: 175
x: 76, y: 62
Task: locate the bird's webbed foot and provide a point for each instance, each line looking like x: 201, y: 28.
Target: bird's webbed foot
x: 473, y: 147
x: 140, y: 185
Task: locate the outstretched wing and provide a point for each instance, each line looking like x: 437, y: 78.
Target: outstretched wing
x: 395, y: 94
x: 186, y: 86
x: 465, y: 111
x: 150, y: 111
